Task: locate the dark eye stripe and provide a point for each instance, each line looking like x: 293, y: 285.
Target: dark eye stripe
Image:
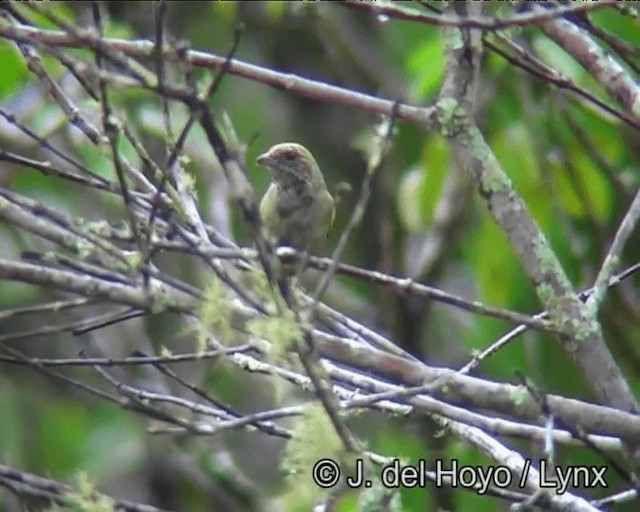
x: 290, y: 155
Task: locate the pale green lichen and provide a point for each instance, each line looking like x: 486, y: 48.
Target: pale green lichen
x: 187, y: 182
x: 547, y: 261
x: 519, y: 395
x: 260, y: 286
x: 134, y: 259
x: 608, y: 269
x: 449, y: 115
x: 162, y: 300
x: 83, y: 248
x: 84, y: 498
x: 585, y: 328
x: 313, y: 438
x: 214, y: 314
x: 379, y: 497
x: 98, y: 227
x: 545, y: 293
x: 279, y: 329
x: 493, y: 179
x: 452, y: 39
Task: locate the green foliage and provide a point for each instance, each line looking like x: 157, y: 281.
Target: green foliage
x: 14, y: 70
x: 552, y: 54
x: 65, y: 432
x: 276, y: 10
x: 425, y: 67
x: 14, y: 435
x: 583, y: 190
x: 493, y: 269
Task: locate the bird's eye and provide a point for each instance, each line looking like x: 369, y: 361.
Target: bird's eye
x: 290, y: 155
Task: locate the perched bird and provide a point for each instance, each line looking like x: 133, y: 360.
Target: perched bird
x: 297, y: 209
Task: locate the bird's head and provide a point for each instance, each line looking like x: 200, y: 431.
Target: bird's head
x: 291, y: 164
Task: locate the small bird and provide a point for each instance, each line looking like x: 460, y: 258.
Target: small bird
x: 297, y: 209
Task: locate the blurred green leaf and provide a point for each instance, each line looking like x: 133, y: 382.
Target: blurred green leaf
x: 14, y: 71
x: 425, y: 67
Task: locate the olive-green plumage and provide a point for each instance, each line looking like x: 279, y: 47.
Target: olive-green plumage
x: 297, y: 209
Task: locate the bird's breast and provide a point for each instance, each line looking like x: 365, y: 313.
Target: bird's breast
x: 303, y: 219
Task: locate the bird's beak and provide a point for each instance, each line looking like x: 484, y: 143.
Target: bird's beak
x: 263, y: 159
